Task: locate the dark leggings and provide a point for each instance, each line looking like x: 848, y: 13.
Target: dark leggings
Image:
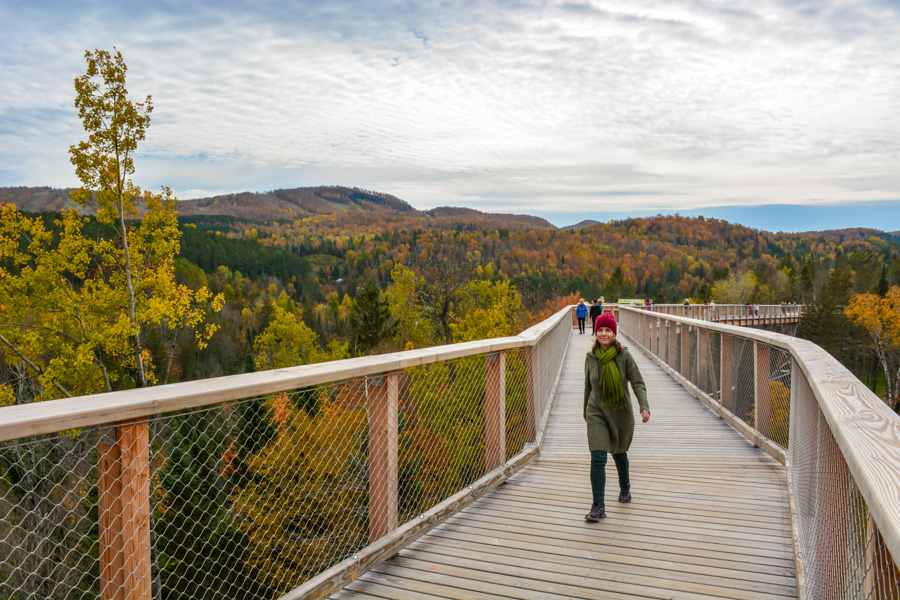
x: 581, y: 324
x: 598, y: 473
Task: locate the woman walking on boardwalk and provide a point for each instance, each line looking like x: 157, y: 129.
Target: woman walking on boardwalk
x: 581, y: 312
x: 595, y: 312
x: 608, y: 369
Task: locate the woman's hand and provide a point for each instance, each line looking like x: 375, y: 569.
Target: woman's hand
x: 645, y: 416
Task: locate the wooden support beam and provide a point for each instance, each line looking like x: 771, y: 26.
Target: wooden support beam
x: 494, y: 410
x: 703, y: 378
x: 124, y: 511
x: 383, y: 394
x: 672, y: 358
x: 762, y: 393
x: 685, y: 367
x: 531, y: 390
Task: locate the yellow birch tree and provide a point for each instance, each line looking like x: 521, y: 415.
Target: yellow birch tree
x: 76, y: 307
x: 880, y: 317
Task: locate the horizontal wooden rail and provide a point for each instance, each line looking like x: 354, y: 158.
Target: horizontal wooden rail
x: 85, y: 411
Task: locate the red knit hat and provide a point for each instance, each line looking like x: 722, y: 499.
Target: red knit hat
x: 606, y: 320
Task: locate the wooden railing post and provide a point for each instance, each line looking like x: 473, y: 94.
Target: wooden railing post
x: 494, y: 410
x: 725, y: 377
x: 762, y: 403
x: 703, y: 360
x: 672, y: 358
x: 685, y: 369
x: 383, y: 395
x: 530, y: 392
x: 123, y: 486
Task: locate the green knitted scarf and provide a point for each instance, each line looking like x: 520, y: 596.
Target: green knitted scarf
x: 611, y: 393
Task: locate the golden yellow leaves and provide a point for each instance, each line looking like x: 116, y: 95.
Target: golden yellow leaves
x: 7, y: 395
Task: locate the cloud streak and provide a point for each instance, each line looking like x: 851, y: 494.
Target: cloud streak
x: 573, y: 107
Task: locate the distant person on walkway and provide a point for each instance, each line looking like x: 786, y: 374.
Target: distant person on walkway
x: 581, y: 312
x: 608, y: 369
x: 756, y: 309
x: 596, y: 311
x: 713, y: 315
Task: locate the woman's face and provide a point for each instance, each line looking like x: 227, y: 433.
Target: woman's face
x: 605, y: 336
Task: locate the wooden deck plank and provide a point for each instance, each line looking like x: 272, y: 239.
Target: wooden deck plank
x: 668, y: 558
x: 483, y: 565
x: 709, y: 519
x: 548, y: 566
x: 677, y: 544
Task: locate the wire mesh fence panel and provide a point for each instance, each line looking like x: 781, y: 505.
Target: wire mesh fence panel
x: 666, y: 354
x: 516, y: 401
x: 252, y: 498
x: 712, y: 360
x: 443, y: 449
x: 694, y: 356
x: 883, y: 577
x: 842, y: 553
x: 743, y: 379
x: 48, y: 517
x: 546, y: 360
x: 779, y: 382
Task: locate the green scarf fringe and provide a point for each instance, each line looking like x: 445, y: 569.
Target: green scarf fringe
x: 611, y: 393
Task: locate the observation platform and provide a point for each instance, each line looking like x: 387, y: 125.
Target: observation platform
x: 710, y: 516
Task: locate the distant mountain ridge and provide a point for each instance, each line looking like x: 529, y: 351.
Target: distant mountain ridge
x: 352, y: 206
x: 582, y: 224
x: 349, y: 205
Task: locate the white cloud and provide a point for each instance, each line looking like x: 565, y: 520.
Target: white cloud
x: 520, y: 107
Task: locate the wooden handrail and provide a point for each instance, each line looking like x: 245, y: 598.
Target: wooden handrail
x: 98, y: 409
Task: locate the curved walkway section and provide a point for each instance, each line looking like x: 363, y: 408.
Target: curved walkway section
x: 709, y: 518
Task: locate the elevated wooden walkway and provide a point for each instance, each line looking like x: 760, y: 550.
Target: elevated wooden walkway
x: 709, y: 519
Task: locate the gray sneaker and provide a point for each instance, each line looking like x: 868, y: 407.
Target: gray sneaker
x: 598, y: 511
x: 625, y: 493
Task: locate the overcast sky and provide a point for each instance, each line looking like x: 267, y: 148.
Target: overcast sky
x: 567, y: 110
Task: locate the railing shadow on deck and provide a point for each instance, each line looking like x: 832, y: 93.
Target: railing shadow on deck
x: 839, y: 441
x: 252, y: 485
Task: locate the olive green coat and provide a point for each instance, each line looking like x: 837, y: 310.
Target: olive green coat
x: 609, y: 429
